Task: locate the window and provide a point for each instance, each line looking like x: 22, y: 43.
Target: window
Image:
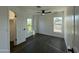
x: 29, y: 25
x: 58, y: 24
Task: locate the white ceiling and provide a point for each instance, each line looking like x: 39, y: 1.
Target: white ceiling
x: 34, y: 9
x: 42, y: 7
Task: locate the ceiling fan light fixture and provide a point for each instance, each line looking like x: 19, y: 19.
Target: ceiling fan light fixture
x: 43, y: 14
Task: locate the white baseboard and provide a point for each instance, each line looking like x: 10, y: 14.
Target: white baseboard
x: 4, y: 51
x: 52, y: 35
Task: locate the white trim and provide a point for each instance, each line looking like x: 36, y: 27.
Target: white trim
x: 55, y: 35
x: 4, y: 51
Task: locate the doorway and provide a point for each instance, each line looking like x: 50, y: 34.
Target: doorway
x: 12, y: 23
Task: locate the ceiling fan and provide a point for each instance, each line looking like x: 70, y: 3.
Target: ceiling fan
x: 44, y: 12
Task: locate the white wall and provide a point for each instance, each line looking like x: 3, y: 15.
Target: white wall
x: 22, y: 34
x: 4, y: 31
x: 19, y: 24
x: 76, y: 40
x: 45, y: 25
x: 35, y: 23
x: 69, y: 27
x: 21, y: 18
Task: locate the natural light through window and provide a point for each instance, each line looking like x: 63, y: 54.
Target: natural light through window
x: 29, y: 25
x: 58, y: 24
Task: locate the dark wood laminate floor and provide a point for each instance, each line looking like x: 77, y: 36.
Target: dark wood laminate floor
x: 41, y: 44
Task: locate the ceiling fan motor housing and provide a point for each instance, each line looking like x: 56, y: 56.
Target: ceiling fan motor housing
x: 43, y: 11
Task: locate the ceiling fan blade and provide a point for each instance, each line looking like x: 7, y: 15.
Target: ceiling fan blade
x: 38, y: 12
x: 48, y: 12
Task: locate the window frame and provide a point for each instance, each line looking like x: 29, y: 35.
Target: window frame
x: 28, y: 25
x: 54, y: 24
